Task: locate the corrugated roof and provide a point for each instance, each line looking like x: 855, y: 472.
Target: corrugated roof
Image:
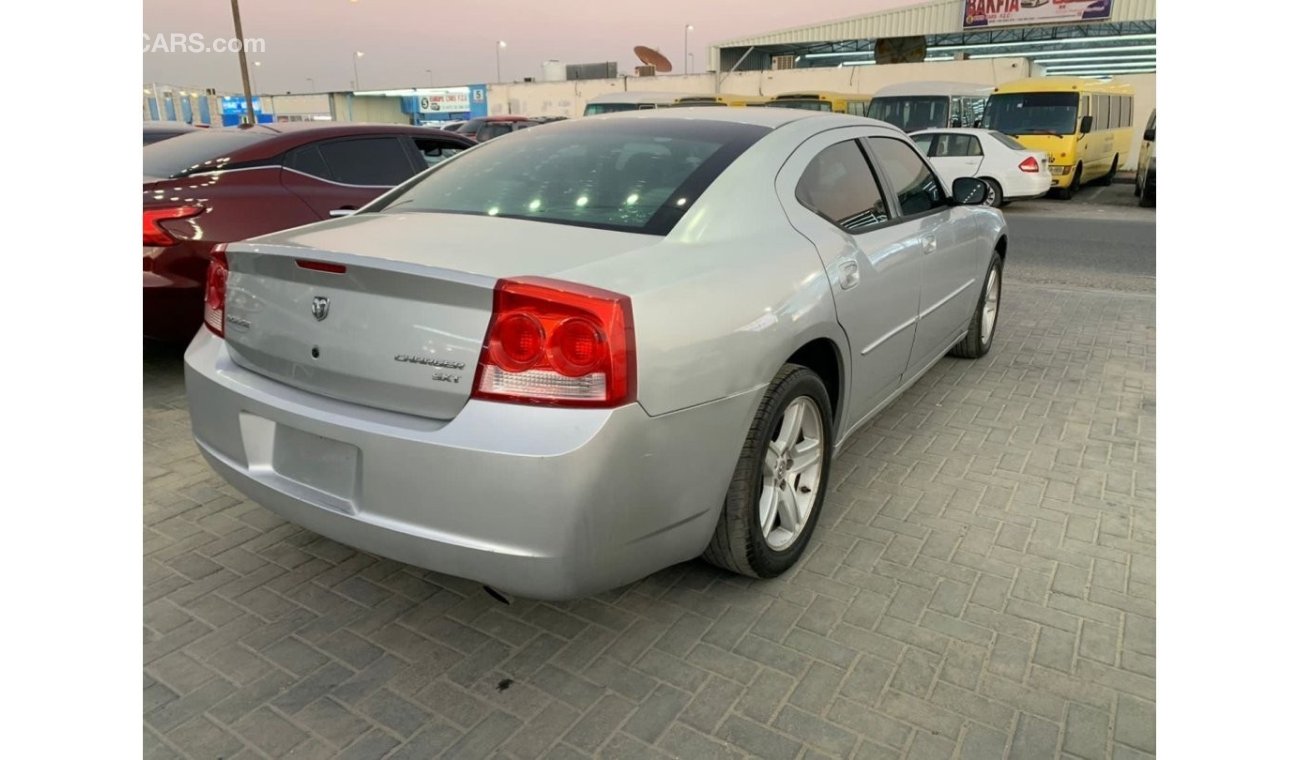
x: 937, y: 17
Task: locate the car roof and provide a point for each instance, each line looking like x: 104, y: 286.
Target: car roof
x: 282, y: 136
x: 506, y: 118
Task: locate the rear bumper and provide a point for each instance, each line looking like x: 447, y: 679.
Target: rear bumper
x: 543, y: 503
x: 1027, y: 186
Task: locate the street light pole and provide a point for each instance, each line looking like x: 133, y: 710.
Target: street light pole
x: 311, y: 83
x: 243, y: 64
x: 500, y: 44
x: 256, y: 65
x: 430, y: 73
x: 686, y: 47
x: 356, y: 77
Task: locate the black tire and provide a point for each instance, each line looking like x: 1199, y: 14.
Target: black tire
x: 977, y: 343
x: 1110, y: 175
x: 738, y: 544
x: 1068, y: 192
x: 995, y: 198
x: 1147, y: 195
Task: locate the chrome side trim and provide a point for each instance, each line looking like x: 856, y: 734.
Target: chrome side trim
x: 341, y: 184
x: 889, y: 335
x: 948, y: 298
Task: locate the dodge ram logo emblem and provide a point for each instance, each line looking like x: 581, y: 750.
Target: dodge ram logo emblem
x: 320, y: 307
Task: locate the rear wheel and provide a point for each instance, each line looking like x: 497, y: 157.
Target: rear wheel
x: 1110, y: 175
x: 779, y: 483
x: 979, y: 335
x: 1147, y: 196
x: 994, y: 198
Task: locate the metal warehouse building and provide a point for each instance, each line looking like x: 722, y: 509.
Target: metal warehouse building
x: 1063, y: 37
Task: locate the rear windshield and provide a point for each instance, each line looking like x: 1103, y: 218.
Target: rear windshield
x: 595, y: 109
x: 196, y: 151
x: 1007, y: 140
x: 911, y: 113
x: 638, y: 175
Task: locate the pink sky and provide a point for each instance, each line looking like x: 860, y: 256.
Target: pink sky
x: 402, y: 39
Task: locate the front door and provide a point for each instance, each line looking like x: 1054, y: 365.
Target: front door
x: 949, y: 284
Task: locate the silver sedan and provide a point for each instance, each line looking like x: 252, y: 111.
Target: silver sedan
x: 580, y: 353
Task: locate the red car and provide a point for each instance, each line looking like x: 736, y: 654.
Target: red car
x: 222, y: 185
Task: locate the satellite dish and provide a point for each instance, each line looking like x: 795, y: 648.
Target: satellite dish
x: 652, y: 57
x: 900, y: 49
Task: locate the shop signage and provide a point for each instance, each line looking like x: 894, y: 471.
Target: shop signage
x: 985, y: 13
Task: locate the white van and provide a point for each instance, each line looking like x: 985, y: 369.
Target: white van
x: 630, y: 101
x: 912, y: 106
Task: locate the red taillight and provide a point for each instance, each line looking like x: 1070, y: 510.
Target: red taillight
x: 214, y: 292
x: 154, y: 234
x: 557, y: 343
x: 1029, y: 165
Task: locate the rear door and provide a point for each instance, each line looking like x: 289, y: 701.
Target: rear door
x: 873, y: 259
x: 347, y: 173
x: 955, y: 155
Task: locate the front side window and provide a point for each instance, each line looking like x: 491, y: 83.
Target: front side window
x: 839, y: 186
x: 637, y: 176
x: 919, y: 191
x: 375, y: 161
x: 1034, y: 113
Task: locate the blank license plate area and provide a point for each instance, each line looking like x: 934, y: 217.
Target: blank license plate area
x: 317, y: 462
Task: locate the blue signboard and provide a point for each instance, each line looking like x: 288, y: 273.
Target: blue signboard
x: 478, y: 100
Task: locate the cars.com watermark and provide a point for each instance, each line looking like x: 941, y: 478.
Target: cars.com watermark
x: 178, y: 42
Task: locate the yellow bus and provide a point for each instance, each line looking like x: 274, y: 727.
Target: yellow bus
x: 1085, y: 126
x: 721, y: 99
x: 835, y: 102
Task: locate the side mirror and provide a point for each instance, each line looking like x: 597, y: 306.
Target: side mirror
x: 1149, y: 135
x: 1086, y: 125
x: 969, y: 191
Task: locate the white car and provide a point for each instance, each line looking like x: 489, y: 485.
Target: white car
x: 1012, y: 171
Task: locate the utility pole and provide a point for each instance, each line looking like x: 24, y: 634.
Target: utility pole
x: 243, y: 64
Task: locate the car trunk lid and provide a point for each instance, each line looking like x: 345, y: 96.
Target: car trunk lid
x: 398, y: 321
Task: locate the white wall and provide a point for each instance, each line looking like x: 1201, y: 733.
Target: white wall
x: 1144, y: 100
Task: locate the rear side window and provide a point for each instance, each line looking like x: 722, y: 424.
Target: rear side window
x: 839, y: 186
x: 953, y: 146
x: 307, y: 160
x: 919, y: 191
x: 379, y: 161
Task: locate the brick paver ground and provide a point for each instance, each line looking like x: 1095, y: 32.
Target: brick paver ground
x: 981, y: 585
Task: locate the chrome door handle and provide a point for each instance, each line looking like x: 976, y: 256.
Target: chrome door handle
x: 849, y: 275
x: 929, y: 245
